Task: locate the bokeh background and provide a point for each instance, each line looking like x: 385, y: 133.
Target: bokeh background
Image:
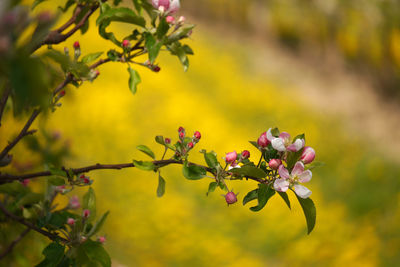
x: 329, y: 69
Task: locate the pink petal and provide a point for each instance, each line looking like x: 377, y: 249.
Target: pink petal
x: 305, y: 176
x: 283, y: 172
x: 298, y: 168
x: 278, y: 144
x: 292, y: 148
x: 281, y: 185
x: 285, y: 136
x: 302, y: 191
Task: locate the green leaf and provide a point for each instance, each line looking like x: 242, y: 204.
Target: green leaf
x: 250, y: 196
x: 250, y: 171
x: 153, y: 47
x: 134, y: 80
x: 67, y: 5
x: 146, y: 150
x: 265, y: 192
x: 285, y: 197
x: 95, y: 253
x: 211, y: 188
x: 309, y: 212
x: 188, y: 50
x: 36, y: 3
x: 56, y: 181
x: 193, y: 172
x: 15, y: 188
x: 275, y: 132
x: 91, y: 57
x: 121, y: 14
x: 162, y: 28
x: 300, y: 136
x: 254, y: 143
x: 54, y: 254
x: 159, y: 139
x: 29, y: 199
x: 180, y: 34
x: 210, y: 158
x: 292, y: 158
x: 113, y: 55
x: 144, y: 165
x: 89, y: 202
x: 97, y: 226
x: 313, y: 165
x: 161, y: 186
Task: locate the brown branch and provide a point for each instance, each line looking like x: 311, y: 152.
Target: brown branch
x: 5, y: 177
x: 14, y: 217
x: 24, y: 132
x: 71, y: 21
x: 14, y: 243
x: 3, y: 100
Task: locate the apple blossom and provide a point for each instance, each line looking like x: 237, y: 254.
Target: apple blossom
x: 274, y: 163
x: 263, y: 140
x: 282, y: 143
x: 231, y: 157
x: 245, y: 154
x: 230, y: 198
x: 297, y: 176
x: 169, y: 6
x: 308, y: 155
x: 74, y: 203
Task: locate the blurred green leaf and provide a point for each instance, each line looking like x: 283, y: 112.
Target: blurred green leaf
x: 144, y: 165
x: 180, y: 34
x: 161, y: 186
x: 56, y: 181
x: 94, y: 254
x: 15, y: 188
x: 54, y: 254
x: 97, y: 226
x: 162, y: 28
x: 121, y: 14
x: 67, y: 5
x: 193, y: 172
x: 29, y: 199
x: 265, y: 192
x: 300, y: 136
x: 113, y: 55
x: 314, y: 165
x: 134, y: 80
x: 292, y: 158
x: 254, y: 143
x: 146, y: 150
x: 309, y: 212
x: 211, y: 187
x: 153, y: 47
x: 275, y: 132
x: 285, y: 197
x: 91, y: 57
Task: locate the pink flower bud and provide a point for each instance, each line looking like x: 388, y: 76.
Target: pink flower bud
x: 181, y: 135
x: 197, y: 135
x: 74, y: 203
x: 170, y: 19
x: 245, y: 154
x: 181, y: 129
x: 167, y: 141
x: 156, y: 68
x: 230, y: 198
x: 263, y: 140
x: 231, y: 157
x: 125, y: 43
x: 308, y: 155
x: 86, y: 180
x: 86, y: 213
x: 77, y: 45
x: 71, y: 221
x: 62, y: 93
x: 25, y: 182
x: 101, y: 239
x: 160, y: 3
x: 274, y: 163
x: 97, y: 72
x: 190, y: 145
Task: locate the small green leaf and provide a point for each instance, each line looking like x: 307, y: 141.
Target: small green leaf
x: 250, y: 171
x: 160, y: 139
x: 265, y: 192
x: 161, y: 186
x: 153, y: 47
x: 121, y: 14
x: 15, y: 188
x: 210, y: 158
x: 211, y: 188
x: 146, y: 150
x: 162, y: 28
x: 97, y: 226
x: 36, y: 3
x: 193, y: 172
x: 134, y: 80
x: 254, y: 143
x: 91, y: 57
x: 250, y: 196
x: 309, y: 212
x: 89, y: 202
x: 113, y: 55
x: 53, y: 253
x: 285, y: 197
x: 314, y: 165
x: 144, y: 165
x: 292, y: 158
x: 180, y: 34
x: 95, y: 253
x: 56, y: 181
x: 275, y: 132
x: 300, y: 136
x: 29, y: 199
x: 67, y: 5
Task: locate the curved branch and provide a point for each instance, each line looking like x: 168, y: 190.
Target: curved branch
x: 51, y: 236
x: 3, y: 100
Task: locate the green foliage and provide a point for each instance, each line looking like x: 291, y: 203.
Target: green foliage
x: 193, y: 172
x: 89, y: 202
x: 97, y: 226
x: 91, y: 57
x: 250, y: 171
x: 309, y: 212
x: 134, y: 80
x: 211, y: 187
x: 146, y: 150
x: 264, y: 193
x: 144, y: 165
x: 54, y: 254
x: 161, y: 186
x: 92, y: 253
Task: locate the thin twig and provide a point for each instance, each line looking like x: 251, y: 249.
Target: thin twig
x: 14, y: 243
x: 51, y: 236
x: 3, y: 100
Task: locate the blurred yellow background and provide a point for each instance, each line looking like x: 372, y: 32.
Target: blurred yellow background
x: 231, y: 97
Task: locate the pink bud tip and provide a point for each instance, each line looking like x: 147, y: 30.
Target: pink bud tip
x: 101, y: 239
x: 181, y: 135
x: 77, y: 45
x: 170, y: 19
x: 197, y: 135
x: 190, y: 145
x: 245, y: 154
x: 86, y: 180
x: 62, y: 93
x: 125, y: 43
x: 181, y: 129
x: 308, y: 155
x: 71, y: 221
x: 156, y: 68
x: 86, y: 213
x: 97, y: 72
x: 263, y: 140
x: 274, y: 163
x: 167, y: 141
x: 25, y: 182
x: 82, y: 176
x: 231, y: 157
x: 230, y: 198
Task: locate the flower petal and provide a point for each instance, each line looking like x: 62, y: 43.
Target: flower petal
x: 283, y: 172
x: 302, y: 191
x: 278, y: 144
x: 285, y: 136
x: 270, y: 137
x: 281, y: 185
x: 305, y: 176
x: 298, y: 168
